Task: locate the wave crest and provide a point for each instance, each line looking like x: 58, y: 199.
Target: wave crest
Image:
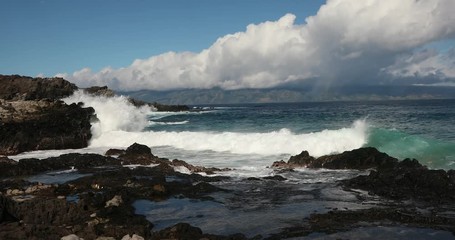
x: 277, y: 142
x: 114, y: 113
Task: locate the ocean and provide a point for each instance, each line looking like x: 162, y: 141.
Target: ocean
x: 248, y: 138
x: 252, y: 136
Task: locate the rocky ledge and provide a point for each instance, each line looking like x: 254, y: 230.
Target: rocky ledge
x: 413, y: 195
x: 32, y: 117
x: 15, y: 87
x: 98, y: 202
x: 360, y: 159
x: 43, y: 124
x: 388, y: 177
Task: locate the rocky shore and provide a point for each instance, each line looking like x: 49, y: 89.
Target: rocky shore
x: 97, y: 203
x: 93, y: 196
x: 32, y: 116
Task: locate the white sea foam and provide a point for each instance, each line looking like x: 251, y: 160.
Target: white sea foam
x: 168, y: 123
x: 272, y: 143
x: 122, y: 124
x: 114, y: 113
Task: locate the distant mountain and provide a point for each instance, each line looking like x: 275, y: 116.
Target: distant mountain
x: 345, y: 93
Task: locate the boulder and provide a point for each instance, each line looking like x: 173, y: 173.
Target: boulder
x: 302, y: 159
x: 138, y: 149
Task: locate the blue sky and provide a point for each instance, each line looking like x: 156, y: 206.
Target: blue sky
x: 54, y: 36
x: 175, y: 44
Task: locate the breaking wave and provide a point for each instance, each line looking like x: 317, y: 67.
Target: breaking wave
x: 121, y: 124
x: 276, y: 142
x: 114, y: 113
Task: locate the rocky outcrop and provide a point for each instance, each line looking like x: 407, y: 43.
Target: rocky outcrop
x: 99, y: 204
x: 43, y: 124
x: 389, y: 177
x: 170, y: 108
x: 160, y: 107
x: 360, y: 159
x: 345, y: 220
x: 100, y: 91
x: 15, y: 87
x: 31, y: 166
x: 408, y: 179
x: 32, y: 117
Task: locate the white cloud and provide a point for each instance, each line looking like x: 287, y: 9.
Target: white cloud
x: 425, y: 63
x: 347, y: 40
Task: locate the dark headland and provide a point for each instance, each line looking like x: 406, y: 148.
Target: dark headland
x: 99, y: 203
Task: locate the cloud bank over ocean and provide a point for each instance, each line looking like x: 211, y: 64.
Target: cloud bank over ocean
x: 347, y: 41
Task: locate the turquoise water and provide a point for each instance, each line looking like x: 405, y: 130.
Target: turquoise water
x: 423, y: 129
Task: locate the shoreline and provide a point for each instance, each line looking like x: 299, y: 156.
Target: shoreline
x: 99, y: 198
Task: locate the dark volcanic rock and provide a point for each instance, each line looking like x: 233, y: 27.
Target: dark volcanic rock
x: 186, y: 231
x: 195, y: 169
x: 97, y: 204
x: 160, y: 107
x: 362, y: 158
x: 113, y: 152
x: 32, y: 117
x: 17, y: 87
x: 140, y: 154
x: 100, y: 91
x: 170, y: 108
x: 408, y: 179
x: 303, y: 158
x: 340, y: 221
x: 43, y: 125
x: 63, y: 162
x: 138, y: 149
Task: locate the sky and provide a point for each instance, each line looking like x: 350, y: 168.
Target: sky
x: 202, y: 44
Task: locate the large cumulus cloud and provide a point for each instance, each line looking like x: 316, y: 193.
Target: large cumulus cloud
x: 346, y: 41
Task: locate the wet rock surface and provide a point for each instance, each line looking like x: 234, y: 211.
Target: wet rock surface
x: 408, y: 179
x: 43, y: 125
x: 33, y: 118
x: 91, y: 206
x: 362, y: 158
x: 100, y: 203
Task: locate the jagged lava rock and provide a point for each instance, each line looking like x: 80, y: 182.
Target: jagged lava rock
x: 43, y: 125
x: 362, y: 158
x: 66, y: 161
x: 138, y: 149
x: 100, y: 91
x: 408, y: 179
x: 33, y: 118
x: 15, y: 87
